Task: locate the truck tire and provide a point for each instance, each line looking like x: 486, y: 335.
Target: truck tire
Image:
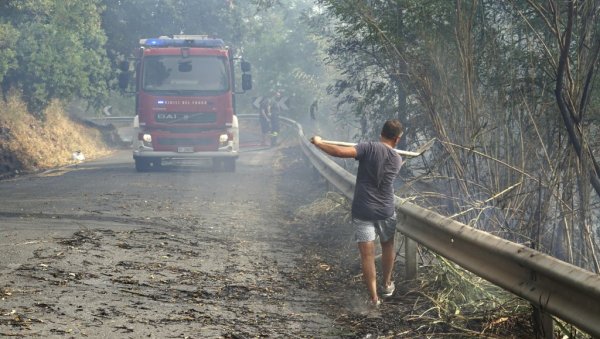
x: 147, y: 164
x: 142, y: 165
x: 229, y: 165
x: 216, y: 164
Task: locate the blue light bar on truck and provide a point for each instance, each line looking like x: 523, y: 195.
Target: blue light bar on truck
x: 178, y: 42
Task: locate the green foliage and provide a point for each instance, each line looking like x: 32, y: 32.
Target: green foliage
x: 8, y: 55
x: 54, y: 59
x: 285, y: 51
x: 126, y: 22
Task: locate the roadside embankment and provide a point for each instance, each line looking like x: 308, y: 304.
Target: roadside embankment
x: 30, y: 144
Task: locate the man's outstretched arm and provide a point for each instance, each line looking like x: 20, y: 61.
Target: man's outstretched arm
x: 334, y: 150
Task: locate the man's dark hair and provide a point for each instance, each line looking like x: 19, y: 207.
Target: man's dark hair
x: 391, y: 129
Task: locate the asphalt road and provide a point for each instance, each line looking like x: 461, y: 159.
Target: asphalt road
x: 100, y: 251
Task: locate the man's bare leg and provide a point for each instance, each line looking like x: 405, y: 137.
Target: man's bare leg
x: 388, y: 255
x: 367, y: 258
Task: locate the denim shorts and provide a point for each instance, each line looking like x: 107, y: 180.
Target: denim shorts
x: 369, y: 230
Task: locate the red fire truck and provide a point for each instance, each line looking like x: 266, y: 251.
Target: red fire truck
x: 185, y: 102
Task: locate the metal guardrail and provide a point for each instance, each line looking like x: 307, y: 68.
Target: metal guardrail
x: 110, y: 120
x: 554, y: 286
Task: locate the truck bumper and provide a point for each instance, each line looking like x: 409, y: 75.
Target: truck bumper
x: 175, y: 155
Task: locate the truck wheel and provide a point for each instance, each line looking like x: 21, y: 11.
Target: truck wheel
x: 216, y: 164
x: 229, y: 165
x: 146, y: 165
x: 142, y: 165
x: 155, y: 164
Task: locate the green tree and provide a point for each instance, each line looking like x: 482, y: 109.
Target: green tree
x: 287, y: 54
x: 125, y: 22
x: 8, y: 55
x: 59, y: 53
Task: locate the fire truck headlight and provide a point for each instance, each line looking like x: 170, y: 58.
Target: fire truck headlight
x: 223, y: 138
x: 147, y: 138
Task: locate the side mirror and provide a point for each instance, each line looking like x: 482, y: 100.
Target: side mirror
x: 246, y: 82
x: 246, y: 67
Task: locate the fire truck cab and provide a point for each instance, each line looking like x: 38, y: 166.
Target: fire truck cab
x: 185, y: 102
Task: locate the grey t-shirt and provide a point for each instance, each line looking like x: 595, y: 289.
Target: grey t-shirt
x: 374, y: 191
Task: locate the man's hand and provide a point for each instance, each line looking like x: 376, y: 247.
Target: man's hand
x: 333, y: 150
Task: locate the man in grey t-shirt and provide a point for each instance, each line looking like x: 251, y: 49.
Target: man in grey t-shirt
x: 373, y: 210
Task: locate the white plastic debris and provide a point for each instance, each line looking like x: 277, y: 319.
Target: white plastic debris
x: 78, y: 156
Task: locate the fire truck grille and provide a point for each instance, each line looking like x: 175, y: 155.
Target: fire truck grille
x: 185, y: 141
x: 185, y: 117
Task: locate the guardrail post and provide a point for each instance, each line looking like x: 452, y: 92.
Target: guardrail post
x: 543, y: 324
x: 410, y: 255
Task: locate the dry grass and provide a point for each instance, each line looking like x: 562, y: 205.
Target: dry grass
x: 33, y: 144
x: 332, y: 208
x: 458, y: 300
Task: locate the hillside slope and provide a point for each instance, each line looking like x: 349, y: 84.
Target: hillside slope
x: 28, y: 144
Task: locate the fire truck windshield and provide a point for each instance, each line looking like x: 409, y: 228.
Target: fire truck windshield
x: 173, y: 73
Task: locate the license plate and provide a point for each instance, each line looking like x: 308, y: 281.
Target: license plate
x: 185, y: 149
